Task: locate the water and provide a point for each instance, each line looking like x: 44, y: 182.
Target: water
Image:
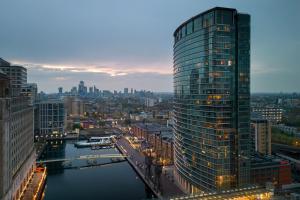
x: 115, y: 181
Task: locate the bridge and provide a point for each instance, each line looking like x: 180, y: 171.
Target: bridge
x: 84, y: 157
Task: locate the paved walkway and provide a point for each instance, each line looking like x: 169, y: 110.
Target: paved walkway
x: 137, y: 160
x: 35, y: 186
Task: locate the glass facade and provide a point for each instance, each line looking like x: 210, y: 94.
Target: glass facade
x: 211, y: 101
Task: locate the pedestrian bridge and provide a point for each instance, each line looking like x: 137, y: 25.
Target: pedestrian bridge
x: 84, y: 157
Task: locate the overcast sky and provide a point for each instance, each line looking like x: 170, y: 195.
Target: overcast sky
x: 128, y: 43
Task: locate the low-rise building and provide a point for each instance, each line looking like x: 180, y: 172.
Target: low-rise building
x: 158, y: 138
x: 270, y: 169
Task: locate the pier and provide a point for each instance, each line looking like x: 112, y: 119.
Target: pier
x: 167, y: 188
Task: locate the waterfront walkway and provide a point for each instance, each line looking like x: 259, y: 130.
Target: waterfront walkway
x: 35, y: 186
x: 137, y: 160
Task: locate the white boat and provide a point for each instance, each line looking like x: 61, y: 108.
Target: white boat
x: 96, y: 141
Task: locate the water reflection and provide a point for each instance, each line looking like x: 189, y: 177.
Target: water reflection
x: 110, y: 181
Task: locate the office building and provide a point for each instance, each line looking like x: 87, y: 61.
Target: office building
x: 271, y: 113
x: 82, y: 90
x: 60, y: 91
x: 16, y: 74
x: 51, y: 118
x: 212, y: 101
x: 260, y: 135
x: 91, y: 90
x: 17, y: 156
x: 125, y: 91
x: 30, y: 90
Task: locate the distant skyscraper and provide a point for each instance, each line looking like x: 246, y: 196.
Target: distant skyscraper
x: 81, y: 88
x: 60, y: 90
x: 211, y: 103
x: 91, y: 90
x: 74, y: 90
x: 126, y: 91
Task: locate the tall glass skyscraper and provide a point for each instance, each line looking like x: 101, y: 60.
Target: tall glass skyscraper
x: 212, y: 97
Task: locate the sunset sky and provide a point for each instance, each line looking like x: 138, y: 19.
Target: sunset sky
x: 128, y: 43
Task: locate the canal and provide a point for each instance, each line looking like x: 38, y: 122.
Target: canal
x: 114, y: 181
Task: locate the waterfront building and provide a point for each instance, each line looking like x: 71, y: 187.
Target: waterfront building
x: 247, y: 193
x: 51, y: 118
x: 271, y: 113
x: 212, y: 101
x: 17, y: 156
x: 260, y: 135
x: 156, y: 137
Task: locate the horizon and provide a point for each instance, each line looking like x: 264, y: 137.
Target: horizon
x: 124, y: 52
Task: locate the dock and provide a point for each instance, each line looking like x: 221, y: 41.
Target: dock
x: 137, y: 160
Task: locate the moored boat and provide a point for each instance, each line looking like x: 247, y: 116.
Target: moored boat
x: 96, y: 142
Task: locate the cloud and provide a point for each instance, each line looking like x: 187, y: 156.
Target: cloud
x: 262, y: 69
x: 112, y: 70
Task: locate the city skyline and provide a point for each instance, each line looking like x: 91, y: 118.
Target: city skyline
x: 149, y: 100
x: 70, y: 42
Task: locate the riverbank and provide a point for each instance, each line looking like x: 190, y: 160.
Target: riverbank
x: 168, y: 188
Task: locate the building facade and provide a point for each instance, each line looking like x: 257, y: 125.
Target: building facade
x: 17, y: 155
x: 30, y: 90
x: 271, y: 113
x: 269, y: 169
x: 159, y: 138
x: 51, y: 118
x: 261, y: 136
x: 211, y: 102
x: 17, y: 76
x: 74, y: 106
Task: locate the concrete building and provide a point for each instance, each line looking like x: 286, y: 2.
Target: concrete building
x: 17, y: 156
x: 74, y: 106
x: 261, y: 135
x: 51, y: 118
x: 212, y: 101
x: 270, y: 169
